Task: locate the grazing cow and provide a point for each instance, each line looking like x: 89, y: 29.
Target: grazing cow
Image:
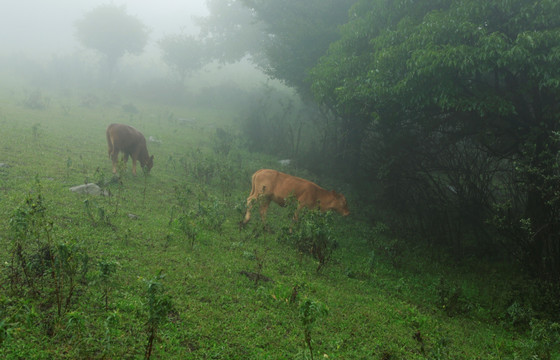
x: 129, y: 141
x: 272, y: 185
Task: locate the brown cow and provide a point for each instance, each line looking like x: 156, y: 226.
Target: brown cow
x: 129, y: 141
x: 272, y: 185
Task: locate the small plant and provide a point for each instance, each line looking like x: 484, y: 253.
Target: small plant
x: 40, y: 266
x: 106, y: 270
x: 450, y: 298
x: 5, y: 330
x: 111, y: 332
x: 91, y: 207
x: 545, y: 339
x: 212, y: 214
x: 312, y: 234
x: 223, y: 141
x: 158, y: 305
x: 519, y: 315
x: 380, y: 229
x: 67, y: 261
x: 31, y: 242
x: 309, y: 312
x: 189, y: 228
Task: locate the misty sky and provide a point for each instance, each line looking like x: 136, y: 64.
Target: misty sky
x: 47, y: 26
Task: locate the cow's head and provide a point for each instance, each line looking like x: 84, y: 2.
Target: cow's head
x: 340, y: 204
x: 149, y: 164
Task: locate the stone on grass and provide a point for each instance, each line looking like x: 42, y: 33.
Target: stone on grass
x: 91, y: 189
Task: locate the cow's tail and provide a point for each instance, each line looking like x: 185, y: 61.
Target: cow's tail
x: 109, y: 141
x: 253, y: 181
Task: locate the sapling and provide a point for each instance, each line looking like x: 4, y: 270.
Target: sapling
x: 309, y: 312
x: 106, y: 270
x: 158, y: 305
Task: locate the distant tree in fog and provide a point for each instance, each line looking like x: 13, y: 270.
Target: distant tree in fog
x: 284, y: 38
x: 231, y: 31
x: 109, y: 30
x: 183, y: 54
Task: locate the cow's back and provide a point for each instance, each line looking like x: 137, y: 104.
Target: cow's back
x: 280, y: 186
x: 125, y: 137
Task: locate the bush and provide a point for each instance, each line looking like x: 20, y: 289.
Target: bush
x: 312, y: 234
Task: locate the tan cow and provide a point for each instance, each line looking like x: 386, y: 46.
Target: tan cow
x: 272, y: 185
x: 131, y: 142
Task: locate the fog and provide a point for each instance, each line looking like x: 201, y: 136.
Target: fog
x: 46, y: 27
x: 40, y: 46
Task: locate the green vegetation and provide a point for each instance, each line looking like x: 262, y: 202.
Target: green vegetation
x: 74, y: 273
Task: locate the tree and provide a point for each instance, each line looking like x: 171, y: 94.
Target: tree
x: 284, y: 38
x: 434, y: 85
x: 231, y: 31
x: 111, y: 31
x: 183, y: 54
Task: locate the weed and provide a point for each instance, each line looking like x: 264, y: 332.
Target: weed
x: 75, y: 322
x: 309, y: 312
x: 189, y: 228
x: 111, y: 332
x: 91, y: 208
x: 31, y: 242
x: 545, y: 339
x: 106, y: 270
x: 440, y: 350
x: 68, y: 261
x: 212, y: 214
x: 519, y: 316
x: 450, y: 298
x: 158, y: 305
x: 223, y: 141
x: 312, y: 234
x: 5, y: 330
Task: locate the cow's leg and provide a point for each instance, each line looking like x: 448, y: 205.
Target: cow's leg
x: 134, y: 165
x: 115, y: 159
x: 250, y: 202
x: 264, y: 208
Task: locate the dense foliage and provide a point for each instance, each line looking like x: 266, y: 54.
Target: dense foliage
x: 452, y: 107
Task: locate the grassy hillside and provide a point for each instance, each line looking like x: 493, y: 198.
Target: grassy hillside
x: 162, y: 260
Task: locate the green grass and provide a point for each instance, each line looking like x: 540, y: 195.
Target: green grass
x: 384, y: 299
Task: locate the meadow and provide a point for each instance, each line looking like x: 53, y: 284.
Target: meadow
x: 161, y: 269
